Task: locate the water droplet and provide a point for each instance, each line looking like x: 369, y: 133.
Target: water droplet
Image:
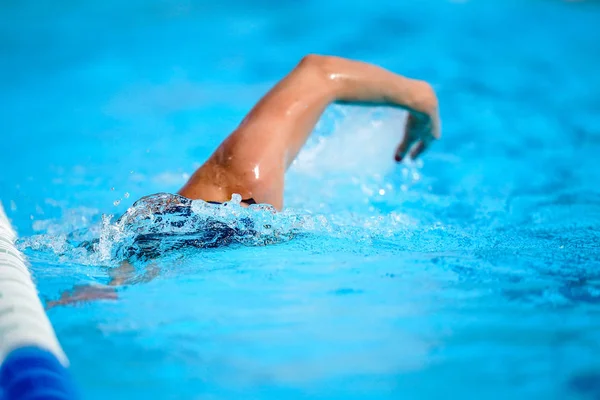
x: 236, y: 199
x: 126, y: 195
x: 381, y: 192
x: 117, y: 202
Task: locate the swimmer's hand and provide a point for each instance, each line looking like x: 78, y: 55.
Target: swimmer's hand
x: 82, y: 294
x: 422, y: 125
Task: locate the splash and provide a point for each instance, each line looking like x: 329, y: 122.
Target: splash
x: 158, y: 224
x: 355, y: 195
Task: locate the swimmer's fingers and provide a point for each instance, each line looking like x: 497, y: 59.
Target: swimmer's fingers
x: 403, y: 148
x: 420, y: 147
x: 431, y: 136
x: 410, y: 138
x: 420, y: 133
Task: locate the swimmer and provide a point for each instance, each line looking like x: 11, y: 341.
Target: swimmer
x: 253, y: 159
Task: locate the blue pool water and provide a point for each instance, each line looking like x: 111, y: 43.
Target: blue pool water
x: 472, y: 274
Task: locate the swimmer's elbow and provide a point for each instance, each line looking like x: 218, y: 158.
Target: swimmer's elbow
x: 314, y: 62
x: 319, y: 66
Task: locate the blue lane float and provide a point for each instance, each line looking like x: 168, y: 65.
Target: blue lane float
x: 33, y: 364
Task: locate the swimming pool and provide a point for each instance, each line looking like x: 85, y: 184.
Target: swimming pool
x: 474, y: 273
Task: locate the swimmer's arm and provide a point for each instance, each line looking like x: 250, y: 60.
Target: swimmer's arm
x: 83, y: 294
x: 292, y: 108
x: 124, y: 274
x: 252, y: 161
